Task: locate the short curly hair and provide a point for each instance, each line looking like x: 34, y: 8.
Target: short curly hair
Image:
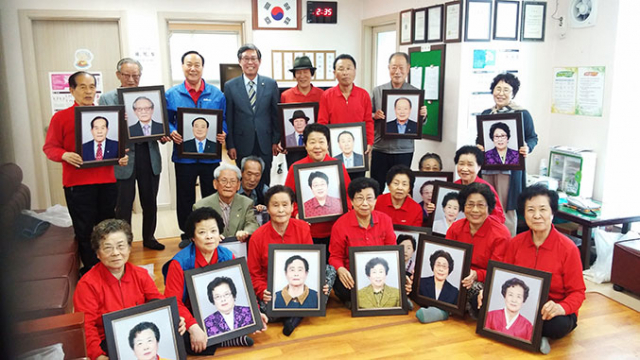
x: 219, y: 281
x: 515, y: 282
x: 470, y: 149
x: 401, y: 170
x: 201, y: 214
x: 508, y: 78
x: 477, y: 188
x: 499, y: 125
x: 360, y: 184
x: 145, y: 325
x: 538, y: 190
x: 441, y: 254
x: 107, y: 227
x: 376, y: 261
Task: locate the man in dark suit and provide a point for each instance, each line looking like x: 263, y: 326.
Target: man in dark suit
x: 348, y: 157
x: 200, y: 144
x: 100, y: 148
x: 143, y: 108
x: 252, y: 112
x: 402, y: 124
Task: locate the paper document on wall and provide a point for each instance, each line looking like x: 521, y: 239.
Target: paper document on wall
x: 431, y: 82
x: 564, y: 90
x: 416, y: 76
x: 590, y: 91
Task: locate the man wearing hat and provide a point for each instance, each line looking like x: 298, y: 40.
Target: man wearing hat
x: 299, y: 120
x: 303, y: 71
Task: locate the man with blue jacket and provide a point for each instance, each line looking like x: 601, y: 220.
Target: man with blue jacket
x: 194, y: 92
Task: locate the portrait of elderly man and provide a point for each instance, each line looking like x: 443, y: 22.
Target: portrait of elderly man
x: 145, y: 126
x: 200, y: 143
x: 402, y: 124
x: 237, y: 211
x: 299, y: 120
x: 250, y: 186
x: 101, y: 147
x: 349, y: 158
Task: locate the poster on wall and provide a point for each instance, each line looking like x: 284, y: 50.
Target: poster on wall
x: 61, y: 97
x: 578, y: 90
x: 564, y: 90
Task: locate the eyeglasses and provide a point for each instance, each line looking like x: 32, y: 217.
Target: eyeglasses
x: 225, y: 296
x: 250, y: 59
x: 470, y: 206
x: 130, y: 76
x: 110, y: 249
x: 144, y: 109
x: 226, y: 181
x: 505, y: 91
x: 359, y: 200
x: 500, y: 136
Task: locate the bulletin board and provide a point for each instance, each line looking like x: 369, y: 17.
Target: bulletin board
x: 322, y: 60
x: 435, y: 57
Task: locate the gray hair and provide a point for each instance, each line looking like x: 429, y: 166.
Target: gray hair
x: 225, y: 166
x: 252, y: 158
x: 128, y: 60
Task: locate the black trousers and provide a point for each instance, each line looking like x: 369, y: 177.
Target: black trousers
x: 88, y: 205
x: 147, y: 188
x: 341, y: 292
x: 209, y: 350
x: 294, y: 156
x: 559, y: 326
x: 186, y: 176
x: 323, y: 241
x: 382, y: 162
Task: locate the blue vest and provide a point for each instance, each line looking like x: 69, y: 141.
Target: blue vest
x: 187, y: 260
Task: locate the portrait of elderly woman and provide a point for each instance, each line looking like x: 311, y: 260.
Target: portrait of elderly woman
x: 451, y: 210
x: 378, y: 294
x: 296, y: 294
x: 229, y: 316
x: 508, y: 320
x: 437, y: 287
x: 500, y: 133
x: 321, y: 204
x: 144, y: 339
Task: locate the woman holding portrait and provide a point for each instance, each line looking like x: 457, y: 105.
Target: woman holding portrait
x: 397, y: 203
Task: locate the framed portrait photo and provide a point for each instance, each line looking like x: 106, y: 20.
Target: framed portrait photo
x: 407, y: 237
x: 296, y: 277
x: 448, y: 210
x: 320, y: 192
x: 527, y: 290
x: 294, y: 117
x: 238, y: 248
x: 145, y: 331
x: 378, y: 269
x: 221, y: 291
x: 199, y: 128
x: 98, y: 136
x: 146, y: 109
x: 501, y: 135
x: 441, y: 265
x: 347, y: 143
x: 423, y: 187
x: 402, y: 108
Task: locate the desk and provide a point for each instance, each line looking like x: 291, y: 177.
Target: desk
x: 608, y: 215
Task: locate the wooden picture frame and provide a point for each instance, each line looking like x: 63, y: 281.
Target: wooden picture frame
x: 410, y: 107
x: 196, y: 120
x: 506, y: 19
x: 147, y: 103
x: 228, y: 72
x: 453, y: 21
x: 505, y: 124
x: 144, y: 320
x: 405, y: 35
x: 333, y: 190
x: 439, y: 221
x: 358, y: 132
x: 534, y: 19
x: 106, y: 139
x: 457, y: 255
x: 363, y: 259
x: 435, y: 17
x: 419, y: 24
x: 286, y: 257
x: 287, y: 115
x: 216, y: 277
x: 477, y: 21
x: 414, y: 232
x: 276, y: 14
x: 423, y: 187
x: 526, y: 331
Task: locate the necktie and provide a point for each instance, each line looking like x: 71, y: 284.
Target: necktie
x: 350, y: 162
x: 300, y: 140
x: 99, y: 152
x: 200, y: 147
x: 146, y: 130
x: 252, y: 95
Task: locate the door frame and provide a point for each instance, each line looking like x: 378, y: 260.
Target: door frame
x: 368, y: 45
x: 26, y: 19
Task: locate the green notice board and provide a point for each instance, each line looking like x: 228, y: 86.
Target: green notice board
x: 432, y: 128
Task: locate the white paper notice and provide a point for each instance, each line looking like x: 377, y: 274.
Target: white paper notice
x: 431, y: 82
x: 479, y: 21
x: 564, y: 90
x: 506, y: 20
x: 416, y: 76
x: 277, y: 66
x: 418, y: 26
x: 590, y: 90
x: 61, y: 97
x: 287, y: 59
x: 533, y: 21
x: 320, y: 65
x: 453, y: 22
x: 330, y: 57
x: 435, y: 24
x: 405, y: 27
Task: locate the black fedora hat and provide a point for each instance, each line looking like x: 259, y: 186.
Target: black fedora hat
x: 299, y: 114
x: 301, y: 63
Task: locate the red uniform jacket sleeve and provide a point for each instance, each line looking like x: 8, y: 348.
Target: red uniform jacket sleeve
x: 368, y: 119
x: 255, y: 254
x: 174, y: 286
x: 86, y: 300
x: 573, y: 281
x: 323, y: 112
x: 54, y: 142
x: 338, y: 246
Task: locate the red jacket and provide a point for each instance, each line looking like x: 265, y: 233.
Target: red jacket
x: 293, y: 95
x: 498, y: 212
x: 335, y: 109
x: 410, y: 213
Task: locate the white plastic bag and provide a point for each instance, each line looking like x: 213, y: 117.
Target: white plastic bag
x: 51, y: 352
x: 600, y: 271
x: 58, y: 215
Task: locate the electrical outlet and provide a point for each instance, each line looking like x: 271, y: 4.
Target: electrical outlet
x: 562, y: 27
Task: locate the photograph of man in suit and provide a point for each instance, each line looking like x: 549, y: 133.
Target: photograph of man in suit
x: 145, y: 126
x: 299, y: 120
x: 200, y: 143
x: 252, y: 112
x: 402, y: 124
x: 100, y: 148
x: 348, y: 157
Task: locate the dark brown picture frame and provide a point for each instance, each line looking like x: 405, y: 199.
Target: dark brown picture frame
x: 84, y: 115
x: 495, y: 20
x: 415, y: 232
x: 334, y: 133
x: 414, y: 40
x: 302, y: 250
x: 114, y: 337
x: 428, y: 177
x: 128, y: 96
x: 254, y: 17
x: 447, y: 19
x: 387, y: 96
x: 355, y: 264
x: 484, y: 127
x: 526, y: 4
x: 209, y: 272
x: 184, y: 149
x: 339, y: 184
x: 467, y: 14
x: 425, y: 244
x: 284, y: 127
x: 492, y: 280
x: 400, y: 32
x: 433, y: 8
x: 437, y: 186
